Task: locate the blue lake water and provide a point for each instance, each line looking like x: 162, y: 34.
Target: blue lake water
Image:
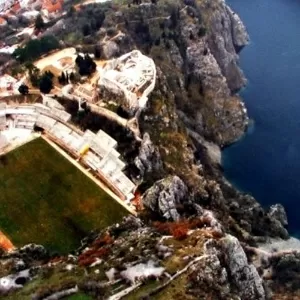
x: 266, y: 162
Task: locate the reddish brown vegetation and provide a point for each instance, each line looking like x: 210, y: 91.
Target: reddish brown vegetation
x: 137, y: 201
x: 180, y: 229
x: 105, y: 240
x: 99, y: 249
x: 85, y: 262
x: 56, y: 259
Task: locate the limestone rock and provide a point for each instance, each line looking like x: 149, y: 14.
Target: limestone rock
x: 240, y: 36
x: 278, y: 213
x: 33, y: 251
x: 110, y: 50
x: 165, y: 195
x: 213, y: 151
x: 213, y: 61
x: 255, y: 220
x: 227, y: 33
x: 244, y: 275
x: 209, y: 276
x: 149, y: 159
x: 286, y: 270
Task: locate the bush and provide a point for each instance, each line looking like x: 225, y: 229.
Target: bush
x: 202, y: 31
x: 23, y: 89
x: 178, y: 230
x: 46, y: 84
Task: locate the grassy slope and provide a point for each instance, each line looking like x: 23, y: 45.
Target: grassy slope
x: 45, y: 199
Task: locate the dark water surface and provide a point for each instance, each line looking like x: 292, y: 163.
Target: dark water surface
x: 266, y: 162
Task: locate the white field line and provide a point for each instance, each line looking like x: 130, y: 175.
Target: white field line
x: 89, y: 175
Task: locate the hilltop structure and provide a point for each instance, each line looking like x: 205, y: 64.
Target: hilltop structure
x: 131, y: 76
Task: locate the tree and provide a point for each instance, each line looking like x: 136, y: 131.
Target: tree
x: 86, y: 65
x: 72, y: 77
x: 34, y: 75
x: 78, y: 60
x: 35, y: 48
x: 62, y: 78
x: 175, y: 15
x: 86, y: 29
x: 201, y: 31
x: 23, y: 89
x: 97, y: 52
x: 71, y: 11
x: 46, y: 84
x: 39, y: 23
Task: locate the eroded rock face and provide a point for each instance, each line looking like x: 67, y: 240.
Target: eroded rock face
x: 165, y: 195
x: 252, y: 217
x: 209, y: 276
x: 227, y: 36
x: 244, y: 275
x: 285, y: 269
x: 277, y: 212
x: 240, y: 36
x: 149, y: 159
x: 110, y: 50
x: 30, y: 252
x: 213, y: 60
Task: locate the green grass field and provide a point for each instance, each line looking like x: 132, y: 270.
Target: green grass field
x: 45, y: 199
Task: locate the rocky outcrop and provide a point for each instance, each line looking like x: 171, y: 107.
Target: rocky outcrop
x: 286, y: 263
x: 164, y: 197
x: 208, y: 276
x: 226, y: 37
x: 149, y: 159
x: 212, y: 60
x: 110, y: 50
x: 277, y: 212
x: 245, y: 276
x: 240, y: 37
x: 213, y: 151
x: 29, y: 253
x: 253, y: 219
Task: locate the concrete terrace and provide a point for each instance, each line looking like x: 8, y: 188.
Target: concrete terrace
x: 96, y: 152
x: 132, y: 75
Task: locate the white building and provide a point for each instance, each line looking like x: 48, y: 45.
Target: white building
x: 97, y: 150
x: 132, y: 75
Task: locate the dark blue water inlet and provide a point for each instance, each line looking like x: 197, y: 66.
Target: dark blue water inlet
x: 266, y: 162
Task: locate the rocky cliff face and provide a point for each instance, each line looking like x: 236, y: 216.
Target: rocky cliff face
x: 212, y: 59
x: 165, y: 196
